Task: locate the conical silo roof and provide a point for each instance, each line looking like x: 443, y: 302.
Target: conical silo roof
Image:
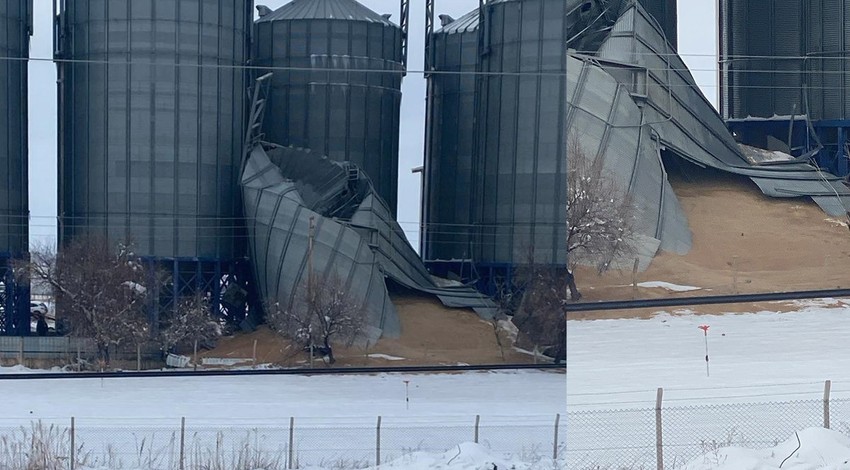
x: 326, y: 10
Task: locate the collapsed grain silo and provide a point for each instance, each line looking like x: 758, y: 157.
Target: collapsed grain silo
x: 450, y: 140
x: 520, y: 166
x: 336, y: 88
x: 15, y: 30
x: 152, y: 98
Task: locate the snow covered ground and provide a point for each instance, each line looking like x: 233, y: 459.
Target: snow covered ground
x: 335, y: 417
x: 765, y: 380
x: 811, y: 448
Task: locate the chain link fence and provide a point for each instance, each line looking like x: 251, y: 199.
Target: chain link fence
x: 667, y: 438
x: 87, y: 444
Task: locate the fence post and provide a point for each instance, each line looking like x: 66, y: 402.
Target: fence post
x: 477, y: 422
x: 21, y: 350
x: 378, y: 445
x: 73, y: 445
x: 634, y: 278
x: 291, y: 440
x: 138, y: 357
x: 182, y: 440
x: 659, y: 448
x: 826, y: 388
x: 557, y: 424
x: 254, y: 356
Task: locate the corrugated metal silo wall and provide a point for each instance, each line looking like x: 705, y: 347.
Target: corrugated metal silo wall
x: 15, y: 27
x: 761, y: 48
x: 827, y: 39
x: 152, y: 125
x: 451, y: 136
x: 520, y: 164
x: 347, y: 115
x: 664, y: 11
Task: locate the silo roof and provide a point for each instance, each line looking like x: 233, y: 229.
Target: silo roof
x: 350, y: 10
x: 465, y: 24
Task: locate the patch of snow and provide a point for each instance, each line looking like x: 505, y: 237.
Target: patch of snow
x: 224, y: 361
x: 386, y: 357
x: 466, y: 456
x: 668, y: 286
x: 819, y: 448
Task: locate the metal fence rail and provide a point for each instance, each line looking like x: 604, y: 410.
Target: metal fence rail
x: 22, y: 349
x: 77, y: 444
x: 667, y: 438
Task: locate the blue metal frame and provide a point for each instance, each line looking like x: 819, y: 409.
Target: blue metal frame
x: 188, y: 276
x: 14, y: 300
x: 834, y: 135
x: 489, y: 278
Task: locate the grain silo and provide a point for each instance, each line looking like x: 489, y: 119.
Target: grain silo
x: 15, y: 32
x: 762, y: 44
x: 152, y: 98
x: 453, y: 60
x: 520, y: 167
x: 336, y: 88
x: 783, y: 62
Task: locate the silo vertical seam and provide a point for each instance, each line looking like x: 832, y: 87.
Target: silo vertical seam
x: 535, y: 179
x: 178, y: 128
x: 561, y: 163
x: 106, y: 212
x: 152, y: 207
x: 327, y: 91
x: 514, y: 154
x: 219, y: 161
x: 348, y: 116
x: 88, y: 171
x: 199, y: 86
x: 7, y: 136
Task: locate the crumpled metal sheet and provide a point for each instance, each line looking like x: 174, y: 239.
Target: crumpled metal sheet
x: 609, y: 125
x: 355, y: 236
x: 635, y: 56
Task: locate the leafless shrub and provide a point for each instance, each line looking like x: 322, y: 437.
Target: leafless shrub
x: 599, y: 214
x: 324, y: 312
x: 540, y: 315
x: 101, y: 290
x: 192, y: 320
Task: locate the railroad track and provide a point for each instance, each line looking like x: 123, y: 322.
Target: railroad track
x: 705, y: 300
x: 313, y: 371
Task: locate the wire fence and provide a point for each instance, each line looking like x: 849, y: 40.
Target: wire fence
x: 343, y: 444
x: 667, y: 438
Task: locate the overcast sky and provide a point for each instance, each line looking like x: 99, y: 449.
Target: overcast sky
x: 697, y: 43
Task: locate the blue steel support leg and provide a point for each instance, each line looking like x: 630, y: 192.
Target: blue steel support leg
x: 199, y: 276
x: 176, y: 277
x: 841, y: 157
x: 216, y: 289
x: 22, y: 296
x: 9, y: 303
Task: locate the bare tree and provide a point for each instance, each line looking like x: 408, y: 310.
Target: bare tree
x: 192, y: 320
x: 323, y: 313
x: 599, y: 216
x: 540, y: 313
x: 101, y: 290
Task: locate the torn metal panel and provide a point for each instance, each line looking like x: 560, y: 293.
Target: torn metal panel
x: 604, y: 121
x: 355, y: 236
x: 685, y: 121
